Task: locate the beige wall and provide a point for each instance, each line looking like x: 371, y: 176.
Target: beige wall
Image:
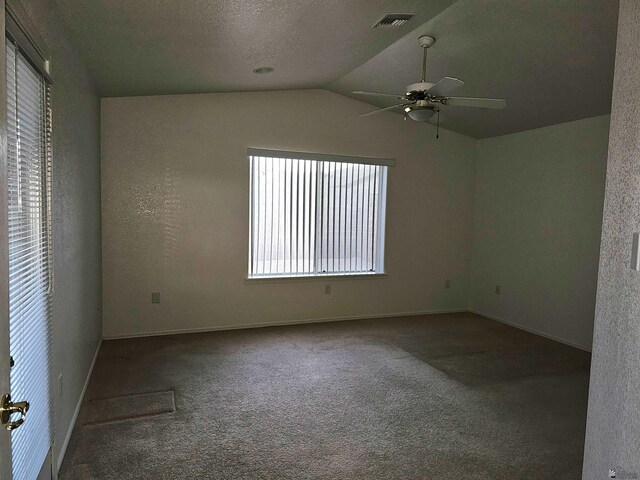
x: 613, y: 423
x: 76, y: 329
x: 175, y: 216
x: 175, y: 210
x: 538, y: 217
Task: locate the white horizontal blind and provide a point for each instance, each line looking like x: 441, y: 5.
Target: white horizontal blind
x: 315, y: 217
x: 28, y: 137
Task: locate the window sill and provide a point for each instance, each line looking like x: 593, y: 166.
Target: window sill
x: 315, y: 278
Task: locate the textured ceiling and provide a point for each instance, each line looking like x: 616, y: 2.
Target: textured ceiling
x: 551, y: 59
x: 143, y: 47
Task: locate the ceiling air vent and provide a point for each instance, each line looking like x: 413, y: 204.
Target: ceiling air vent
x: 393, y: 20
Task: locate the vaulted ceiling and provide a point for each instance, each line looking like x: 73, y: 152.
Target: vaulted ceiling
x: 142, y: 47
x: 552, y: 60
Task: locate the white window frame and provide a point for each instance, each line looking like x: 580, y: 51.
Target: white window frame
x: 379, y: 251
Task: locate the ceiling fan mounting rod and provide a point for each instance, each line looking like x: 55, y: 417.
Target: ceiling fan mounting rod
x: 424, y: 64
x: 426, y: 42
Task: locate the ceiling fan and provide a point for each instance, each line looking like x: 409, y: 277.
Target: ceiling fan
x: 423, y: 100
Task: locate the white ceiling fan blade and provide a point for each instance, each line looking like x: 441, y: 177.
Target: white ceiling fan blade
x: 445, y: 86
x: 496, y: 103
x: 385, y: 109
x: 375, y: 94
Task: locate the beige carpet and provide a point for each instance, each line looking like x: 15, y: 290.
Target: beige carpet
x: 431, y: 397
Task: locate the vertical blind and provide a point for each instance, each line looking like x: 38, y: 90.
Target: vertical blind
x: 311, y: 216
x: 28, y: 175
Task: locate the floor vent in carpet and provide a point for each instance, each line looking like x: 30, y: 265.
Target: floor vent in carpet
x: 129, y: 407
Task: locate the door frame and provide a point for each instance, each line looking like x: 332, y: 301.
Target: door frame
x: 34, y: 47
x: 5, y: 436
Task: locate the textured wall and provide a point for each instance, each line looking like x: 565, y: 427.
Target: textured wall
x: 175, y: 210
x: 76, y: 216
x: 613, y: 424
x: 538, y: 218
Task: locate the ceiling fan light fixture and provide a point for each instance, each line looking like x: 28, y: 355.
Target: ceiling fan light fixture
x: 422, y: 100
x: 421, y: 114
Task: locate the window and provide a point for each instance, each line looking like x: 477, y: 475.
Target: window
x: 315, y: 214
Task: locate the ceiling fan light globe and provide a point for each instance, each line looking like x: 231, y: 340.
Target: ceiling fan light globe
x: 421, y: 115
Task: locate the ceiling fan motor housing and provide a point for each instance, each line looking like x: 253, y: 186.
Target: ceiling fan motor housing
x: 417, y: 88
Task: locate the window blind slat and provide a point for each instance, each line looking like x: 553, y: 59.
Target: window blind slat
x: 304, y: 214
x: 313, y: 217
x: 373, y: 217
x: 271, y: 215
x: 333, y: 226
x: 319, y: 232
x: 312, y: 198
x: 340, y: 218
x: 351, y: 227
x: 367, y: 249
x: 264, y: 220
x: 252, y: 168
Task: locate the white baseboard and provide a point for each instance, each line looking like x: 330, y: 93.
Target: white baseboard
x: 531, y: 330
x: 339, y: 319
x: 276, y: 324
x: 65, y: 444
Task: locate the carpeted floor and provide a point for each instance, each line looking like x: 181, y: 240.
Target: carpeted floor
x: 454, y: 396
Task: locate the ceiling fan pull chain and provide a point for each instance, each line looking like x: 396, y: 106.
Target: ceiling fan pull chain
x: 438, y: 126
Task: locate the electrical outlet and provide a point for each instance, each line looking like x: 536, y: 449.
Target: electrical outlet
x: 447, y: 284
x: 155, y: 297
x: 327, y: 289
x: 497, y: 289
